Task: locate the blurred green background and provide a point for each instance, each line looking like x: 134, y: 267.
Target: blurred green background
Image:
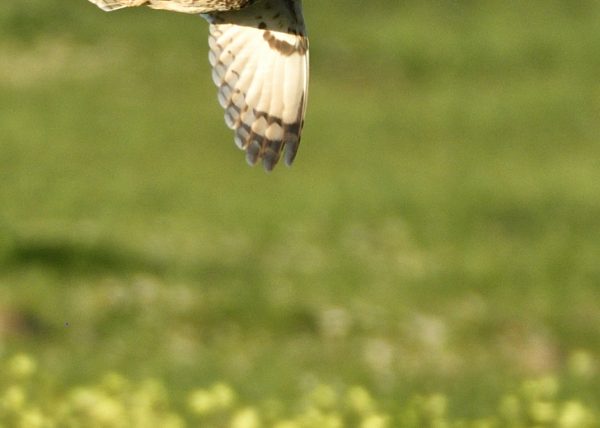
x: 439, y: 231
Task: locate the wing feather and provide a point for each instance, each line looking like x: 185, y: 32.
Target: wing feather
x: 110, y: 5
x: 260, y: 64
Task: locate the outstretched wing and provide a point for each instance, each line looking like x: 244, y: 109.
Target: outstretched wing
x: 259, y: 56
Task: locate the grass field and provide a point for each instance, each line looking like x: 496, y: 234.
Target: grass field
x: 438, y: 237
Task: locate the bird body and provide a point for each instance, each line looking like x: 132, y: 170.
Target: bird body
x: 259, y: 55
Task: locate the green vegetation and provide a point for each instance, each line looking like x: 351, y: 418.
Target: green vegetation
x: 436, y: 241
x: 115, y: 401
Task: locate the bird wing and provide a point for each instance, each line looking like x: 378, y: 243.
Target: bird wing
x: 185, y: 6
x: 259, y: 55
x: 109, y: 5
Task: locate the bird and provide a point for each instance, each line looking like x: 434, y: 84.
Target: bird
x: 260, y: 64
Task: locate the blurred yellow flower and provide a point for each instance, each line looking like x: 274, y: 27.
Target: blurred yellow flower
x: 574, y: 415
x: 13, y: 398
x: 287, y: 424
x: 246, y: 418
x: 117, y: 402
x: 83, y: 399
x: 219, y: 397
x: 22, y: 366
x: 201, y: 402
x: 222, y: 395
x: 33, y: 418
x: 375, y: 421
x: 359, y: 400
x: 108, y: 412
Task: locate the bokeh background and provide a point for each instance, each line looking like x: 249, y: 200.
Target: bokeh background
x: 438, y: 237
